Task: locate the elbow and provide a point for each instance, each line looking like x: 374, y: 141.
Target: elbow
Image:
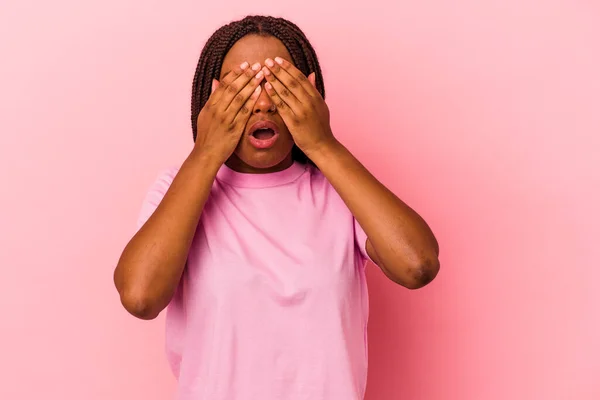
x: 139, y: 304
x: 135, y: 298
x: 414, y: 276
x: 422, y: 274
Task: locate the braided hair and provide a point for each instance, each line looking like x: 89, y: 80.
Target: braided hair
x: 217, y: 46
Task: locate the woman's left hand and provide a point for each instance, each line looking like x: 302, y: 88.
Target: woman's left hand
x: 299, y: 104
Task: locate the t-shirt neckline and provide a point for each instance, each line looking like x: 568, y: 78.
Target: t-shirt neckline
x: 271, y: 179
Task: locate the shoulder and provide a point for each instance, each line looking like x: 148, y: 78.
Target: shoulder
x: 163, y: 179
x: 320, y: 185
x: 155, y: 193
x: 315, y: 175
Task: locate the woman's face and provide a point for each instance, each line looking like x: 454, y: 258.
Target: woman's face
x: 247, y: 157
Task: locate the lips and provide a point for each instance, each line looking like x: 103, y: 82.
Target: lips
x: 263, y: 126
x: 263, y: 134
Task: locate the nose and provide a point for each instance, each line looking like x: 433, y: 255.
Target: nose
x: 264, y: 104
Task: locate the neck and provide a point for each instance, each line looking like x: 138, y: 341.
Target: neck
x: 236, y: 164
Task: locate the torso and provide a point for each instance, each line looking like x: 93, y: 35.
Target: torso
x: 273, y: 302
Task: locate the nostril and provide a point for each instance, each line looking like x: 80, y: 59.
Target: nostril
x: 272, y: 109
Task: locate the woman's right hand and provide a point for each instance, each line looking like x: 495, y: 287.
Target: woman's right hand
x: 223, y: 118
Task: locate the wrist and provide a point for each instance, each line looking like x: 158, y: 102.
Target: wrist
x: 208, y: 161
x: 325, y: 150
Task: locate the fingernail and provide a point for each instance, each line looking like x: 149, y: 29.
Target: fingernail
x: 268, y: 86
x: 244, y: 65
x: 257, y: 90
x: 269, y: 62
x: 256, y: 67
x: 259, y: 75
x: 279, y: 60
x: 266, y: 71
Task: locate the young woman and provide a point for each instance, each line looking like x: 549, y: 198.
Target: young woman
x: 257, y: 243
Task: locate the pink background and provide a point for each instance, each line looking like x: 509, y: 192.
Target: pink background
x: 483, y: 115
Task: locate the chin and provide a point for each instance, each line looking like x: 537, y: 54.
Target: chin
x: 272, y: 159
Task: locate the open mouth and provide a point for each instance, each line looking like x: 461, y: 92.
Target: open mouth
x: 263, y: 134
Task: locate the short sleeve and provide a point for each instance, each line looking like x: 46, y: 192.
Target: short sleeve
x: 155, y: 194
x: 360, y: 238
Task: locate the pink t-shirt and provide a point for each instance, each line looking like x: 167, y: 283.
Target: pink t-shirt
x: 273, y: 302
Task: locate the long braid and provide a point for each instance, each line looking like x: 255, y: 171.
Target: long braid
x: 209, y: 65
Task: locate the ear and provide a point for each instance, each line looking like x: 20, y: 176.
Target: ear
x: 214, y: 85
x: 312, y: 79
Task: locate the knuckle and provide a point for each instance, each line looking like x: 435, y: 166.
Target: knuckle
x: 239, y: 98
x: 301, y: 77
x: 280, y: 104
x: 232, y: 89
x: 285, y: 93
x: 245, y: 109
x: 228, y: 79
x: 293, y: 84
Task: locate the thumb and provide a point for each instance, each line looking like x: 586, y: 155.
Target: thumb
x: 214, y: 85
x: 312, y: 79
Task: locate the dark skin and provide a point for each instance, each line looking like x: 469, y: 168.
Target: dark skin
x: 399, y: 241
x: 245, y: 158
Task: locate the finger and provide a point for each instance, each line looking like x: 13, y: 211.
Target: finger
x: 291, y: 77
x: 282, y: 91
x: 230, y: 78
x: 298, y: 75
x: 312, y: 79
x: 242, y: 97
x: 227, y: 79
x: 214, y: 85
x: 245, y: 111
x: 282, y: 107
x: 232, y: 90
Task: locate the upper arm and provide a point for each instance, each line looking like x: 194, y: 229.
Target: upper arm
x: 155, y: 194
x: 375, y: 258
x: 371, y: 253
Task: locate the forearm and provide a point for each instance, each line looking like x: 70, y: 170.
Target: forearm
x: 152, y: 263
x: 402, y: 242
